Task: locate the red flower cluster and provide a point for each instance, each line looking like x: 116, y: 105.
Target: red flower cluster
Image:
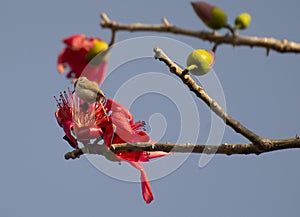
x: 78, y: 53
x: 110, y: 121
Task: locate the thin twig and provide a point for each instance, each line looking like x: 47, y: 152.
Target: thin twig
x: 113, y: 38
x: 282, y: 46
x: 113, y: 31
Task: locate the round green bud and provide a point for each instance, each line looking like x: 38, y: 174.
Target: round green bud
x: 200, y: 61
x: 242, y: 21
x: 100, y: 47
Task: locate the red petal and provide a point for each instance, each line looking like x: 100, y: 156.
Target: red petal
x: 89, y: 132
x: 156, y: 154
x: 61, y: 61
x: 146, y: 189
x: 67, y: 126
x: 95, y: 73
x: 75, y: 41
x: 135, y: 156
x: 108, y: 135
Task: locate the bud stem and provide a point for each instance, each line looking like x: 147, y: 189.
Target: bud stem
x: 191, y: 67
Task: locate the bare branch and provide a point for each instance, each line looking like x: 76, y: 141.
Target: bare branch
x: 214, y: 106
x: 282, y: 46
x: 227, y: 149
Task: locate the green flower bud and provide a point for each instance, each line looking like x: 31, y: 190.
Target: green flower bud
x: 242, y: 21
x: 200, y: 61
x: 212, y: 16
x: 99, y: 47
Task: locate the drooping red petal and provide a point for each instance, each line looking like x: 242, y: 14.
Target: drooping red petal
x: 146, y: 189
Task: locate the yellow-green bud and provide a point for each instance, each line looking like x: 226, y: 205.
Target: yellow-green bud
x: 242, y: 21
x: 200, y: 61
x: 100, y: 48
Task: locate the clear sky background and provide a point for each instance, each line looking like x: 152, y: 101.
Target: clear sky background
x: 261, y: 92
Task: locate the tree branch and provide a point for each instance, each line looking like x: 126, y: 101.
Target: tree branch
x: 214, y: 106
x: 282, y: 46
x: 227, y: 149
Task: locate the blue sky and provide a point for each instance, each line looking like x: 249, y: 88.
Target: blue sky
x: 261, y: 92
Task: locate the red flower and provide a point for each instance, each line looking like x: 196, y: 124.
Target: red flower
x: 110, y: 121
x: 78, y: 53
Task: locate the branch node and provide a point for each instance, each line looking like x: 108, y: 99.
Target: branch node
x: 158, y: 53
x: 166, y: 22
x: 284, y: 41
x: 232, y: 30
x: 185, y: 72
x: 105, y: 18
x: 153, y: 146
